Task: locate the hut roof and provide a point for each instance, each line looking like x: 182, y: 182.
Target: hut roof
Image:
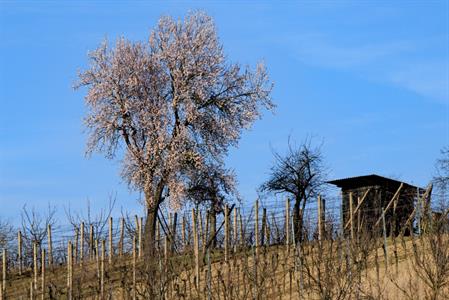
x: 370, y: 180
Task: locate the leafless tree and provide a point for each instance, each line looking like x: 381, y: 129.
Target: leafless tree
x: 98, y: 222
x: 175, y: 104
x: 212, y: 188
x: 300, y: 174
x: 6, y: 234
x: 34, y: 227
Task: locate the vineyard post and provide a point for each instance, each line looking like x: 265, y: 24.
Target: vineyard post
x: 76, y: 244
x: 138, y: 235
x: 35, y: 264
x: 69, y: 270
x: 320, y: 219
x: 97, y: 258
x: 267, y: 229
x: 234, y: 231
x: 165, y: 249
x: 196, y: 249
x: 158, y: 234
x: 91, y: 241
x: 287, y: 224
x: 103, y: 250
x: 19, y: 250
x: 111, y: 249
x: 256, y: 227
x: 140, y: 238
x: 134, y: 267
x: 264, y: 225
x: 122, y: 236
x: 183, y: 231
x: 206, y: 234
x: 173, y: 230
x: 3, y: 287
x: 201, y: 228
x: 81, y: 243
x: 226, y: 241
x: 242, y: 231
x: 50, y: 246
x: 385, y: 239
x: 43, y: 274
x: 358, y: 217
x: 169, y: 232
x: 351, y: 217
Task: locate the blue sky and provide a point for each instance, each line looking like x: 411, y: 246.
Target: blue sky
x: 369, y: 79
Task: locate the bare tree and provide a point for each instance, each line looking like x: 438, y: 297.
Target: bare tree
x: 213, y: 189
x: 174, y: 104
x: 97, y: 222
x: 34, y: 227
x: 6, y: 234
x: 300, y: 174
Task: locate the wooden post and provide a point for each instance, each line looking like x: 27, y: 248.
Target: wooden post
x: 158, y: 234
x: 122, y: 235
x: 235, y: 230
x: 50, y: 246
x: 351, y: 216
x: 103, y: 251
x: 140, y: 237
x: 256, y: 227
x: 320, y: 218
x: 226, y: 240
x: 3, y: 287
x: 19, y: 251
x: 134, y: 267
x: 35, y: 264
x: 31, y: 290
x: 97, y: 258
x: 418, y: 211
x: 76, y: 244
x: 43, y: 274
x: 91, y: 241
x: 267, y: 229
x: 173, y: 230
x: 206, y: 234
x: 242, y: 230
x: 69, y: 270
x: 166, y: 242
x: 111, y: 249
x: 287, y: 223
x: 264, y: 225
x: 196, y: 248
x: 169, y: 234
x: 201, y: 229
x: 183, y: 232
x: 81, y: 243
x: 385, y: 239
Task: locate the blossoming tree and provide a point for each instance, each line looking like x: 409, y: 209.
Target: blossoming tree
x: 171, y: 106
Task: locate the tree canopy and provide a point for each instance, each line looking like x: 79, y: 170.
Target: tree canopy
x: 173, y: 103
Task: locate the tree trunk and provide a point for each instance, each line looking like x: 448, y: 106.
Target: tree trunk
x: 298, y: 222
x: 149, y: 238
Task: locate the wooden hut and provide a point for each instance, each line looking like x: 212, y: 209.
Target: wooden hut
x: 371, y: 195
